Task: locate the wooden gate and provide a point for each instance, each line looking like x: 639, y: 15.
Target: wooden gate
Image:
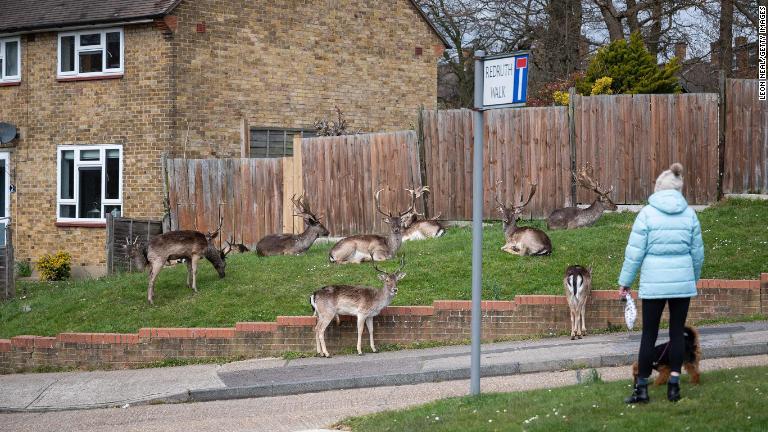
x: 746, y: 138
x: 7, y: 265
x: 120, y: 230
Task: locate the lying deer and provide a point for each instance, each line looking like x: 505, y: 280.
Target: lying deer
x: 363, y: 302
x: 416, y: 229
x: 293, y: 244
x: 575, y: 217
x: 521, y: 240
x: 191, y: 246
x: 578, y: 286
x: 367, y: 247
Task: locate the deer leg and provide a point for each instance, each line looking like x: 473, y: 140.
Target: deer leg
x: 322, y: 324
x: 369, y: 324
x: 189, y: 273
x: 573, y: 324
x: 193, y: 270
x: 360, y: 324
x: 584, y: 318
x: 578, y: 324
x: 153, y: 272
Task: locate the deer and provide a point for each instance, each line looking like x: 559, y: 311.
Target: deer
x: 189, y: 245
x: 575, y: 217
x: 363, y: 302
x: 523, y: 241
x: 578, y: 287
x: 294, y: 244
x: 370, y: 247
x: 423, y: 229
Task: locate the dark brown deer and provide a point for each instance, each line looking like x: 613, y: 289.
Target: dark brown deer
x: 575, y: 217
x: 578, y: 286
x: 367, y: 247
x: 363, y: 302
x: 521, y: 240
x: 421, y: 229
x: 191, y: 246
x: 294, y: 244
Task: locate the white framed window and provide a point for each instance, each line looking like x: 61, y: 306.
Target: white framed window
x: 89, y: 182
x: 91, y: 53
x: 10, y: 60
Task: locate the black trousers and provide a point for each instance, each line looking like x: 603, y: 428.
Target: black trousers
x: 652, y: 310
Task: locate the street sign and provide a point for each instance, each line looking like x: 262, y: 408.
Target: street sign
x: 505, y: 80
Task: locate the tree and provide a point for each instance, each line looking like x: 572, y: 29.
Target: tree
x: 632, y: 69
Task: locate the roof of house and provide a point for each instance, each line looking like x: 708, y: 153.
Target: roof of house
x: 29, y: 15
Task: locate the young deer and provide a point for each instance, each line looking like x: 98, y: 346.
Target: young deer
x: 191, y: 246
x: 370, y: 247
x: 363, y: 302
x: 574, y: 217
x: 521, y: 240
x: 292, y: 244
x: 423, y: 229
x: 578, y: 286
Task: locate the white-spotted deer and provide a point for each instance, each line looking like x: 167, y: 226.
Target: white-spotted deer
x: 363, y: 302
x: 521, y: 240
x: 578, y: 286
x: 294, y: 244
x: 421, y: 229
x: 371, y: 247
x: 191, y: 246
x: 575, y: 217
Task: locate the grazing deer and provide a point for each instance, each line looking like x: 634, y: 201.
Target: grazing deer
x: 575, y: 217
x: 578, y: 286
x: 370, y: 247
x: 363, y: 302
x: 423, y: 229
x: 293, y: 244
x: 521, y: 240
x: 188, y: 245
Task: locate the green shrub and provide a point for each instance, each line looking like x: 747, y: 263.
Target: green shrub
x: 23, y: 269
x: 55, y: 267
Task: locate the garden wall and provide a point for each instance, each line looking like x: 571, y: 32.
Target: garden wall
x: 445, y: 320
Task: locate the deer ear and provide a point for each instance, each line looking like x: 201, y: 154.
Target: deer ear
x: 399, y: 275
x: 382, y: 277
x: 386, y: 220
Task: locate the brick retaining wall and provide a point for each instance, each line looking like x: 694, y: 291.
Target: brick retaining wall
x: 445, y: 320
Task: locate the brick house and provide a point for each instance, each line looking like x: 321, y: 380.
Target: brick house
x: 100, y: 89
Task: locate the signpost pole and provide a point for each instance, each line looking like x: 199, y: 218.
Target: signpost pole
x: 477, y: 226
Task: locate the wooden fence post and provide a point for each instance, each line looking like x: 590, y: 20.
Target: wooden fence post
x: 721, y: 134
x: 293, y: 184
x: 572, y: 140
x: 10, y: 264
x: 422, y: 158
x: 110, y: 243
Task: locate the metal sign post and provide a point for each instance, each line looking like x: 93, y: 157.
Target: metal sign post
x: 500, y: 82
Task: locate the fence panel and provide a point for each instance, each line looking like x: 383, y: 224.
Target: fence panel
x: 7, y: 265
x: 342, y: 174
x: 119, y: 230
x: 746, y: 139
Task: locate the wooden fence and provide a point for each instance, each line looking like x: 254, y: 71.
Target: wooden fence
x: 746, y: 137
x: 121, y: 229
x: 7, y: 264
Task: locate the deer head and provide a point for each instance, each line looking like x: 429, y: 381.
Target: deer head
x: 301, y: 208
x: 586, y: 179
x: 510, y: 212
x: 390, y: 279
x: 396, y: 221
x: 136, y: 252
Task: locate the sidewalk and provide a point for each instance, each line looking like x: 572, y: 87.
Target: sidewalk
x: 272, y: 377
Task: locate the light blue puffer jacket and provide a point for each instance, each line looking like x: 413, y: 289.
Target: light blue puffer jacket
x: 665, y: 244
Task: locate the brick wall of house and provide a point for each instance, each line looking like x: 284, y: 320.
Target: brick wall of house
x: 134, y: 111
x: 446, y: 321
x: 286, y: 64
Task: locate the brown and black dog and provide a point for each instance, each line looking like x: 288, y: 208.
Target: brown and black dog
x: 691, y: 358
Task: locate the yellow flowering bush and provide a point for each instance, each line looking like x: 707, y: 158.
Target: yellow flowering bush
x: 602, y: 86
x: 560, y: 97
x: 55, y: 267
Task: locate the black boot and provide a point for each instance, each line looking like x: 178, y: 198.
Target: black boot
x: 639, y: 395
x: 673, y: 392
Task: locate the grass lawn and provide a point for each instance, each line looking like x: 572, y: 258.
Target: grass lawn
x: 727, y: 400
x: 259, y: 289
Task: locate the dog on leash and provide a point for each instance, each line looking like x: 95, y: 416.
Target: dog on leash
x: 691, y: 358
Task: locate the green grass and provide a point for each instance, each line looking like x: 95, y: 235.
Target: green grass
x: 259, y: 289
x: 727, y: 400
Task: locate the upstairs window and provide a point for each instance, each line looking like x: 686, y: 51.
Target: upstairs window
x: 90, y: 182
x: 10, y: 60
x: 91, y: 53
x: 275, y: 143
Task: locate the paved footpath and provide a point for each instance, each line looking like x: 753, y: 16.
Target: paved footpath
x: 277, y: 377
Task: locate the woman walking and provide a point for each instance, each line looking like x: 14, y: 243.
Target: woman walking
x: 666, y: 245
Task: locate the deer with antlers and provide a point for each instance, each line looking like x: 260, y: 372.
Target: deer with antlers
x: 421, y: 229
x: 192, y: 246
x: 575, y: 217
x: 294, y: 244
x: 521, y: 240
x: 371, y: 247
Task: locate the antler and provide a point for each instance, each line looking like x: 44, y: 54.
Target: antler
x: 533, y: 192
x: 212, y: 235
x: 301, y: 206
x: 496, y: 195
x: 402, y: 264
x: 585, y: 178
x: 417, y: 193
x: 378, y: 203
x: 412, y: 208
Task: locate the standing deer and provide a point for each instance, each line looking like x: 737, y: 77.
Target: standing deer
x: 188, y: 245
x: 574, y: 217
x: 578, y: 286
x: 371, y: 247
x: 521, y: 240
x: 293, y: 244
x: 423, y: 229
x: 363, y: 302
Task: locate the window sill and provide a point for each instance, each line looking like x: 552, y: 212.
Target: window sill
x: 83, y: 224
x: 89, y: 78
x: 10, y: 84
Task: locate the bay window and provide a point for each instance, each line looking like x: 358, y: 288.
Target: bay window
x: 89, y: 182
x: 91, y: 53
x: 10, y: 60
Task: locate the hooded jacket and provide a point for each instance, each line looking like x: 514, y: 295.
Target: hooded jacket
x: 666, y: 245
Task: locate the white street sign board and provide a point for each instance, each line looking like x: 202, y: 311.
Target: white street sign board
x: 505, y: 80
